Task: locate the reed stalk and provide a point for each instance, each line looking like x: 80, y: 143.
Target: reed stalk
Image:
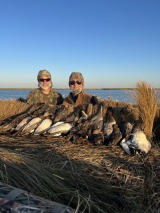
x: 147, y: 102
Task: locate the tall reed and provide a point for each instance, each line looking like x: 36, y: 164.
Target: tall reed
x: 147, y: 102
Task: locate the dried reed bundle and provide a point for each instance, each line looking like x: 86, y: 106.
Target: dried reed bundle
x: 147, y: 103
x: 11, y: 107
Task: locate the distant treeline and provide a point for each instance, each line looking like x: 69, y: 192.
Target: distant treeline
x: 68, y: 88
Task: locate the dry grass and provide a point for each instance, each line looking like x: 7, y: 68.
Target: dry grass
x: 147, y: 103
x: 92, y: 179
x: 11, y: 107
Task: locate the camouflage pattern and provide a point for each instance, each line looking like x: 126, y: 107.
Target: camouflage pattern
x: 36, y: 96
x: 15, y: 200
x: 82, y: 98
x: 76, y: 75
x: 43, y: 73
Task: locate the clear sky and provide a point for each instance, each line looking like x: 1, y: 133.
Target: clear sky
x: 113, y: 43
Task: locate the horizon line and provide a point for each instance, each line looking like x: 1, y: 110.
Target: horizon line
x: 109, y: 88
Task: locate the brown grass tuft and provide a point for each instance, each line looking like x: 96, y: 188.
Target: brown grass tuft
x: 11, y: 107
x: 147, y: 103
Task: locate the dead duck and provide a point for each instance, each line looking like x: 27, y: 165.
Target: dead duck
x: 33, y: 111
x: 89, y: 109
x: 74, y: 115
x: 98, y: 116
x: 126, y: 128
x: 43, y: 126
x: 86, y: 125
x: 23, y: 122
x: 83, y: 117
x: 34, y: 123
x: 20, y: 125
x: 79, y: 130
x: 137, y: 142
x: 96, y: 124
x: 96, y: 138
x: 61, y: 113
x: 59, y: 128
x: 116, y: 136
x: 108, y: 125
x: 30, y: 127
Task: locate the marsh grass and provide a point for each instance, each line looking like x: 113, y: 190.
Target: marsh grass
x: 11, y: 107
x: 146, y: 100
x: 93, y: 180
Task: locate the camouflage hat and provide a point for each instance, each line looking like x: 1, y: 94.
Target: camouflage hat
x: 76, y: 75
x: 43, y: 73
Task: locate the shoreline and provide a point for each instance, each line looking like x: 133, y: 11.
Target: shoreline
x: 68, y: 88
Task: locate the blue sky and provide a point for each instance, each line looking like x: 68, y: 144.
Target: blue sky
x: 113, y: 43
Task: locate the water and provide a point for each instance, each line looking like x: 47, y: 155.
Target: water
x: 118, y: 95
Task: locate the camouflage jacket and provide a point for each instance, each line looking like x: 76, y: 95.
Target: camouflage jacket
x: 36, y: 96
x: 80, y: 99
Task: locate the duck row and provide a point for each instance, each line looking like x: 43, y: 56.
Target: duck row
x: 95, y: 124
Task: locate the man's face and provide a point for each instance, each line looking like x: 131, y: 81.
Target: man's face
x: 44, y: 82
x: 76, y: 86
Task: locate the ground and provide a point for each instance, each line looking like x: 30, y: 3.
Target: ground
x: 101, y: 178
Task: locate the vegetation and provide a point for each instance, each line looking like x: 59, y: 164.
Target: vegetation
x: 92, y: 179
x: 147, y: 102
x: 11, y: 107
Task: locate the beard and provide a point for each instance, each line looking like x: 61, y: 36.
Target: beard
x: 45, y: 87
x: 76, y: 91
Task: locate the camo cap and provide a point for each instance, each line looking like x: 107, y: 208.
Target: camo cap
x: 76, y: 75
x: 43, y: 73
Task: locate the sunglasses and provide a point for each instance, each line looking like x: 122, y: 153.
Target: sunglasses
x: 44, y: 79
x: 75, y: 82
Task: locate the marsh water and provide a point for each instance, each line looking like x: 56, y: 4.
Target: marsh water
x: 118, y: 95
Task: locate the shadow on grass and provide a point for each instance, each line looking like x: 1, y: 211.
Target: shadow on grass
x: 92, y: 179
